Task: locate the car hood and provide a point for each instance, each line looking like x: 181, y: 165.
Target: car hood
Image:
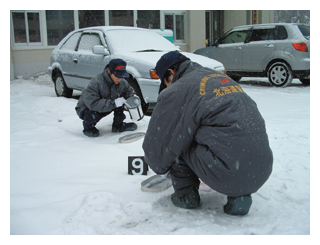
x: 204, y: 61
x: 146, y: 59
x: 149, y: 59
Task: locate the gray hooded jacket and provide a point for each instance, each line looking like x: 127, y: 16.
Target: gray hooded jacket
x: 100, y: 93
x: 206, y: 120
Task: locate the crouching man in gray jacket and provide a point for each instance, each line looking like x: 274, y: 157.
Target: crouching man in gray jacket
x: 205, y: 127
x: 106, y: 93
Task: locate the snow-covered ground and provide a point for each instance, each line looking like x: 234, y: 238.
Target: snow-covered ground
x: 62, y: 182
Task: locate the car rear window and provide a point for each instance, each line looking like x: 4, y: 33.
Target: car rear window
x: 305, y: 30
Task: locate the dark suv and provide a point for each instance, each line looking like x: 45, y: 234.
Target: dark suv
x: 280, y: 52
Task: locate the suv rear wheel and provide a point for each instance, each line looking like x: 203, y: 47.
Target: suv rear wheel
x: 280, y: 74
x: 60, y: 87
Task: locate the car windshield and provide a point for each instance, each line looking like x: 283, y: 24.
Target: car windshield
x: 137, y: 41
x: 305, y: 30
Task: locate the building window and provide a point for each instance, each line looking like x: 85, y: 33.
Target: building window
x: 179, y: 27
x: 177, y: 23
x: 88, y: 18
x: 26, y: 27
x: 149, y: 19
x: 59, y: 24
x: 121, y: 17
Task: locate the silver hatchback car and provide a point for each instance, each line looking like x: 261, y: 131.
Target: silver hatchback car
x: 280, y: 52
x: 86, y: 52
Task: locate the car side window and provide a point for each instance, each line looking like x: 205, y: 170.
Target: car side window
x: 261, y: 35
x: 280, y: 33
x: 235, y: 37
x: 72, y: 42
x: 89, y: 40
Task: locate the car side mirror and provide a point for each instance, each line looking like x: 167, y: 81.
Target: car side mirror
x: 99, y: 49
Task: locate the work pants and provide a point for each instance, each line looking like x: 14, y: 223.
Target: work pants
x: 91, y: 118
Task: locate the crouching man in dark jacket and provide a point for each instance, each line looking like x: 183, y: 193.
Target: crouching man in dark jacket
x: 205, y: 127
x: 106, y: 93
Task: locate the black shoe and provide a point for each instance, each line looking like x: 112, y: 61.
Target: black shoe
x: 191, y: 200
x: 124, y: 127
x: 238, y: 205
x: 92, y: 132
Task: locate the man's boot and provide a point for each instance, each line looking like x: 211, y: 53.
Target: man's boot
x: 238, y: 205
x: 90, y: 130
x: 191, y: 200
x: 124, y: 127
x: 118, y: 124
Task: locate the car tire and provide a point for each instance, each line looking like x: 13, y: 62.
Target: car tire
x: 305, y: 81
x: 133, y: 83
x: 60, y: 87
x: 235, y: 78
x: 280, y: 74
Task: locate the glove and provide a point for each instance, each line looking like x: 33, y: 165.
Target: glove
x: 119, y: 101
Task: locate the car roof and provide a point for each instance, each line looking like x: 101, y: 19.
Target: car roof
x: 109, y: 28
x: 267, y: 25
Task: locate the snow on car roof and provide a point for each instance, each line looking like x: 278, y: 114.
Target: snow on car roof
x: 108, y: 28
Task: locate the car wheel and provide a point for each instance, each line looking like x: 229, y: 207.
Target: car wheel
x: 280, y: 74
x: 61, y: 88
x: 235, y: 78
x: 305, y: 81
x: 133, y: 83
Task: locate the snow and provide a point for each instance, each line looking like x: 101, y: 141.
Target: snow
x: 124, y: 41
x: 62, y: 182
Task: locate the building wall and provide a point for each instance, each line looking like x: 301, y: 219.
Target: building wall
x: 196, y: 30
x: 27, y: 62
x: 234, y: 18
x: 267, y: 16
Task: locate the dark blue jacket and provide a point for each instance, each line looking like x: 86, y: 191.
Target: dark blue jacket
x: 206, y: 119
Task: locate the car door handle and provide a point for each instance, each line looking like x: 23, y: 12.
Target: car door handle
x: 237, y: 48
x: 75, y: 60
x: 269, y: 45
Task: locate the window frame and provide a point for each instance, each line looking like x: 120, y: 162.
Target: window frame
x: 174, y: 14
x: 27, y: 43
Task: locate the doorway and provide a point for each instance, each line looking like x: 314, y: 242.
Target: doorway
x: 214, y: 25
